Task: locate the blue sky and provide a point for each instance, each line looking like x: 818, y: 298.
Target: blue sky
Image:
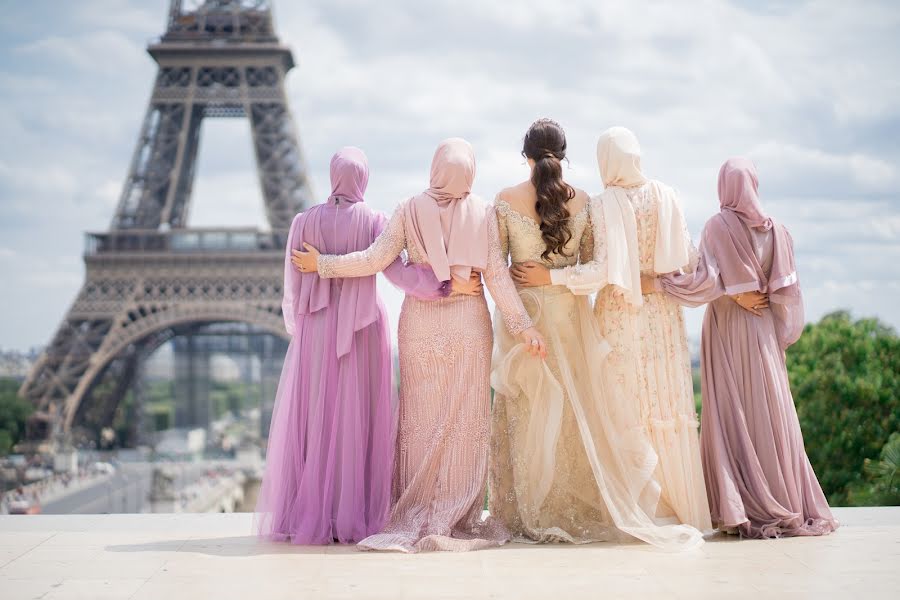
x: 809, y: 90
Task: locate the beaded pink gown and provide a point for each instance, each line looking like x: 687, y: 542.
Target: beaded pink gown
x: 441, y: 463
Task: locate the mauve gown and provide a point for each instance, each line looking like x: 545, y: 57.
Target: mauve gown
x: 440, y: 475
x: 758, y: 477
x: 331, y: 442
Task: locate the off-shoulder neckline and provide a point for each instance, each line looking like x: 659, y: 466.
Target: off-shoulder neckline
x: 528, y: 218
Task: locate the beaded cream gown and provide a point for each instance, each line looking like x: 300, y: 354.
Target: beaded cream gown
x: 650, y: 360
x: 441, y: 461
x: 570, y: 461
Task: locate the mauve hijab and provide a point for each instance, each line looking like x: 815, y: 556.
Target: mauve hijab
x: 349, y: 174
x: 729, y: 259
x: 728, y: 233
x: 349, y: 227
x: 446, y: 223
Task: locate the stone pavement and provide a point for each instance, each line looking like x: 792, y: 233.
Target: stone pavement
x: 213, y: 556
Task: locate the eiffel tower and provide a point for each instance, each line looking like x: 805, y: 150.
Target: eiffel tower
x: 150, y: 277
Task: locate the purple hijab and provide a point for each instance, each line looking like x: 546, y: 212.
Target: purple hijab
x: 306, y: 293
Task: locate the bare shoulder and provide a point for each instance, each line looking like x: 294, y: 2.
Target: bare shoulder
x: 518, y: 196
x: 579, y: 201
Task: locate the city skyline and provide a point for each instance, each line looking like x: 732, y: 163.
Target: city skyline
x: 799, y: 88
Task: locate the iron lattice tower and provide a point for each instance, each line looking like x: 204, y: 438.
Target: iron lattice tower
x: 150, y: 277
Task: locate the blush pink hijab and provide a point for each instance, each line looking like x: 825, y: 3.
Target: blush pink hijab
x: 447, y: 224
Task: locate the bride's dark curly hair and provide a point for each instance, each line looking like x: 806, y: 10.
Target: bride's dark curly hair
x: 545, y: 144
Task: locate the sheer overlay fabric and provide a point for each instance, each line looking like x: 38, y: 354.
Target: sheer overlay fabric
x: 331, y: 439
x: 570, y: 461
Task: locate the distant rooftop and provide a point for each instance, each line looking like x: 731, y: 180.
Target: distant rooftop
x: 197, y: 556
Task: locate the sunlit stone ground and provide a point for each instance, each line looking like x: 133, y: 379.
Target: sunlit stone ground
x: 213, y: 556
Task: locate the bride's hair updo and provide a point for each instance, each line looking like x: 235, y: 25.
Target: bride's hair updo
x: 545, y: 144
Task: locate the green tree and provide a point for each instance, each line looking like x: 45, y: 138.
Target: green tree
x: 884, y: 475
x: 845, y: 377
x: 14, y: 413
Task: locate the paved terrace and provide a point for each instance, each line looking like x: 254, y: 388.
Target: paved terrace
x: 212, y: 556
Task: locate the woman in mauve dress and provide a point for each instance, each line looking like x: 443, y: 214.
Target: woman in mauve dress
x: 331, y: 441
x: 758, y: 477
x: 443, y: 433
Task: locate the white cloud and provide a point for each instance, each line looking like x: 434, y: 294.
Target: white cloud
x: 107, y: 51
x: 800, y: 87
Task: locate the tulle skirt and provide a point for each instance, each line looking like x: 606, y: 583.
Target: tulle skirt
x: 330, y: 449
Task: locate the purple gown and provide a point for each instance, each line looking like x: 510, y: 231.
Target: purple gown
x: 331, y: 442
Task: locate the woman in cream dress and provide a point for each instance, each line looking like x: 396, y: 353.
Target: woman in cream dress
x: 639, y: 228
x: 570, y: 461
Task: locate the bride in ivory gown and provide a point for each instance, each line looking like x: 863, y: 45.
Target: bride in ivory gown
x: 569, y: 459
x: 639, y: 228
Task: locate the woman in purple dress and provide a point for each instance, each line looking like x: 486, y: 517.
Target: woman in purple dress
x: 758, y: 478
x: 331, y: 443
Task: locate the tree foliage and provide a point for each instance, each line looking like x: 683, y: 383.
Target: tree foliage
x: 14, y: 413
x: 845, y: 377
x: 884, y: 475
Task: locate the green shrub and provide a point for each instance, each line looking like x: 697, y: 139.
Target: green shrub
x: 845, y: 377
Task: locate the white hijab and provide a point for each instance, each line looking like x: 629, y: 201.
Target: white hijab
x: 619, y: 158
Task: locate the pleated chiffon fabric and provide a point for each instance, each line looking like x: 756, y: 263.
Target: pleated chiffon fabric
x: 758, y: 476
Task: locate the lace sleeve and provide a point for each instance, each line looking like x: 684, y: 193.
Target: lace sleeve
x: 590, y: 274
x: 500, y: 209
x: 499, y: 283
x: 373, y: 259
x: 417, y: 280
x: 586, y: 247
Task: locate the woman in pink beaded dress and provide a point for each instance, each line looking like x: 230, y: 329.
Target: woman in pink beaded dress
x: 758, y: 477
x: 441, y: 467
x: 331, y: 441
